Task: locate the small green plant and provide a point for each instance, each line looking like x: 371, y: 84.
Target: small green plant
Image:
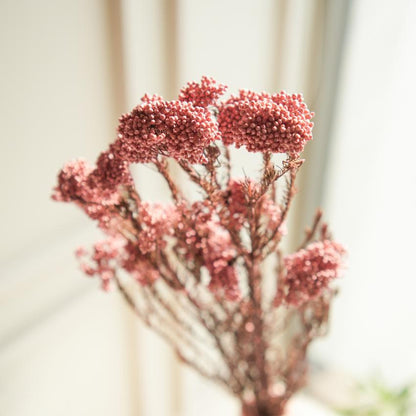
x: 377, y: 399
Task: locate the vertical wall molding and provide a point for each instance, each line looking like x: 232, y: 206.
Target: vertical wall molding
x: 171, y: 47
x: 280, y: 8
x: 116, y: 61
x: 327, y: 39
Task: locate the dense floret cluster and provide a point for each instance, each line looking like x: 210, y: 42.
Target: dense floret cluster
x: 278, y: 123
x: 178, y: 129
x: 310, y: 270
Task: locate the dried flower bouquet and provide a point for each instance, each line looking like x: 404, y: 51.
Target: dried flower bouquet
x: 193, y: 270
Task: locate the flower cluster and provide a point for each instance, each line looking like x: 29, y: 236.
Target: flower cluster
x: 177, y: 129
x: 219, y: 255
x: 113, y: 254
x: 241, y: 194
x: 195, y: 266
x: 278, y: 123
x: 204, y: 93
x: 103, y: 261
x: 111, y: 171
x: 157, y: 223
x: 140, y: 267
x: 72, y: 182
x: 310, y: 270
x: 88, y: 188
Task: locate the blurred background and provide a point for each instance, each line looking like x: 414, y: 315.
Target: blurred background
x: 70, y: 68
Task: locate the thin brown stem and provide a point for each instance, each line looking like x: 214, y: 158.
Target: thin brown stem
x: 310, y: 232
x: 162, y: 166
x: 164, y: 334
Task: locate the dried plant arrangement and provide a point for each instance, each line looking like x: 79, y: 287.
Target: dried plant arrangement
x: 194, y: 269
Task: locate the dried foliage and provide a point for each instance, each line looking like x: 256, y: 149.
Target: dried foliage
x: 193, y: 269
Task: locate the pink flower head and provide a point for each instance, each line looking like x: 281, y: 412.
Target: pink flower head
x: 310, y: 270
x: 202, y: 94
x: 152, y: 98
x: 94, y: 191
x: 190, y: 225
x: 103, y: 261
x: 144, y: 273
x: 157, y: 221
x: 219, y: 254
x: 240, y: 191
x: 134, y: 262
x: 91, y: 188
x: 111, y: 171
x: 173, y: 128
x: 278, y: 123
x: 237, y: 202
x: 72, y: 182
x: 273, y: 214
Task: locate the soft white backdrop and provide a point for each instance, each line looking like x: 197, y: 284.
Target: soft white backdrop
x: 69, y: 68
x: 370, y: 195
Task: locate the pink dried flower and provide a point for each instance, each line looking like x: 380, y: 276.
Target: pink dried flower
x: 173, y: 128
x: 76, y: 183
x: 138, y: 265
x: 219, y: 255
x: 158, y: 215
x: 189, y: 228
x: 72, y: 182
x: 144, y: 273
x: 272, y: 213
x: 237, y: 203
x: 204, y: 242
x: 80, y: 252
x: 204, y: 93
x: 157, y: 221
x: 278, y: 123
x: 103, y: 214
x: 167, y: 250
x: 103, y: 261
x: 310, y: 270
x: 151, y: 98
x: 240, y: 191
x: 81, y: 183
x: 111, y: 171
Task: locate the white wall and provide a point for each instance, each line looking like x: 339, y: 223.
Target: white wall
x: 370, y: 196
x: 63, y: 344
x: 56, y: 105
x: 73, y: 363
